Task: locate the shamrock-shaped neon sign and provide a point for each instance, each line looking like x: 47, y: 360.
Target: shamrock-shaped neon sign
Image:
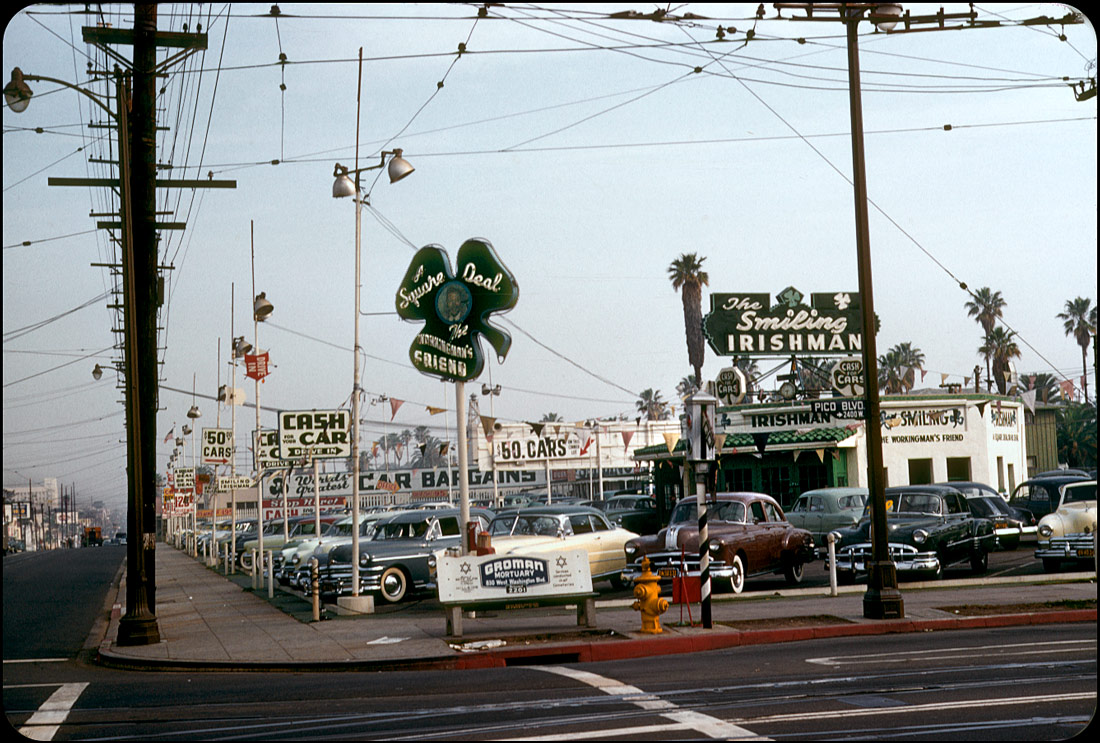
x: 455, y: 309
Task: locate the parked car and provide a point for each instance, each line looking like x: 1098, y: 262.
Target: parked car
x: 827, y: 509
x: 1040, y: 495
x: 275, y: 536
x: 394, y: 562
x: 296, y: 565
x: 931, y: 528
x: 748, y: 533
x: 120, y: 537
x: 635, y: 512
x: 1010, y: 523
x: 538, y: 529
x: 969, y: 488
x: 1069, y: 533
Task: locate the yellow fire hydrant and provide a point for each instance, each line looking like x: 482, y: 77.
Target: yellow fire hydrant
x: 647, y: 590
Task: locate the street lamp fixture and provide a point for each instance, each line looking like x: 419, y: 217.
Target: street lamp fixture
x: 241, y: 347
x: 261, y: 308
x: 17, y: 94
x: 97, y: 373
x: 194, y: 412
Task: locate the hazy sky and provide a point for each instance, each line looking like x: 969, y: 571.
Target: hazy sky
x: 589, y: 152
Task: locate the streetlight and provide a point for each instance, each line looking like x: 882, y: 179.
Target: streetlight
x: 97, y: 372
x: 492, y: 392
x: 261, y: 309
x: 398, y: 169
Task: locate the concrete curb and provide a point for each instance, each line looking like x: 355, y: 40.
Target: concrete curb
x: 604, y: 650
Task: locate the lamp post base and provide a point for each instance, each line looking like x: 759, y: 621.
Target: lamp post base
x: 882, y: 599
x: 137, y: 630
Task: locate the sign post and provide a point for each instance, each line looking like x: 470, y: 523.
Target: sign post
x: 701, y: 453
x: 455, y: 310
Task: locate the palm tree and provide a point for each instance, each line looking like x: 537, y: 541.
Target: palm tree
x: 550, y: 418
x: 986, y: 308
x: 651, y: 405
x: 1046, y: 386
x: 1080, y: 322
x: 751, y: 370
x: 1077, y: 435
x: 686, y: 386
x: 688, y: 277
x: 897, y: 368
x: 1001, y: 348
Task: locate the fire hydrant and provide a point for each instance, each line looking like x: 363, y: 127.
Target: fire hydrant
x: 647, y: 590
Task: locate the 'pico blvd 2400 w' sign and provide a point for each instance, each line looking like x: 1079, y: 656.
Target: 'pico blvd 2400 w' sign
x: 316, y: 434
x: 748, y: 324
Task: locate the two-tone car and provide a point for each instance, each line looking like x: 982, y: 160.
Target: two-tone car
x: 1069, y: 533
x: 539, y: 529
x: 1041, y: 494
x: 394, y: 562
x: 930, y: 528
x: 748, y: 536
x: 827, y: 509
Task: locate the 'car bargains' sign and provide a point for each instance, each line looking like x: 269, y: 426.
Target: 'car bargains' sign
x: 749, y: 325
x: 456, y: 308
x: 317, y: 434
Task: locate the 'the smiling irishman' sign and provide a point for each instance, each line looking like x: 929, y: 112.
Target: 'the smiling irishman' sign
x: 456, y: 308
x: 748, y: 324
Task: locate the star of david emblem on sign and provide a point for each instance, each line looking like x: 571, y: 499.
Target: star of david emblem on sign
x: 455, y: 308
x: 465, y: 568
x: 561, y: 562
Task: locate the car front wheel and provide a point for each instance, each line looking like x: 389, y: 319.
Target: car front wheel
x: 979, y: 561
x: 395, y: 584
x: 793, y: 573
x: 737, y: 579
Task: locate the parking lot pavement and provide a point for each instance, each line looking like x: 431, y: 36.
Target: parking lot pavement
x: 208, y: 621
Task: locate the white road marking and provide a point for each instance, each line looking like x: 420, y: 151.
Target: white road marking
x: 906, y: 656
x: 712, y: 727
x: 38, y: 660
x: 43, y: 724
x: 385, y: 640
x: 917, y: 708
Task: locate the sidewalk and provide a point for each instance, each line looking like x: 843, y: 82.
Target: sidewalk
x: 207, y: 621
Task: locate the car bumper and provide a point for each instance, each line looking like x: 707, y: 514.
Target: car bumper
x: 906, y: 558
x: 1069, y: 547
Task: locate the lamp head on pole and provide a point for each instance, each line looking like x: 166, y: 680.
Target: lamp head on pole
x: 344, y: 185
x: 17, y: 94
x: 186, y: 430
x: 241, y: 346
x: 261, y: 308
x: 399, y: 167
x: 97, y: 372
x: 194, y: 412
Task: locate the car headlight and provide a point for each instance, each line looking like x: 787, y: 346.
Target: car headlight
x: 1045, y: 530
x: 714, y: 546
x: 364, y: 560
x: 297, y: 558
x: 431, y: 561
x: 919, y: 536
x: 631, y: 550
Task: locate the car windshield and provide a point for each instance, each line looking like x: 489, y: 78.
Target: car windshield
x: 982, y: 507
x: 525, y: 525
x: 687, y: 512
x: 916, y: 503
x: 1080, y: 493
x: 402, y: 530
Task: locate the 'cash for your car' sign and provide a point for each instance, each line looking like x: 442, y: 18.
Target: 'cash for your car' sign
x: 489, y: 577
x: 217, y: 445
x: 317, y: 434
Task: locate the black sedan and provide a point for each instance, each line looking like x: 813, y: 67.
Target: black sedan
x: 1009, y: 523
x: 930, y: 528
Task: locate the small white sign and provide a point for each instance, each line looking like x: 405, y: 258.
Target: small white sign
x: 508, y: 577
x: 240, y: 482
x: 185, y: 478
x: 314, y: 434
x: 217, y: 445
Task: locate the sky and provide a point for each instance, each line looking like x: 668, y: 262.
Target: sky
x: 590, y: 151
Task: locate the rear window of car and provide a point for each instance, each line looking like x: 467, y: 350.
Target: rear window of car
x: 1080, y: 493
x: 850, y: 501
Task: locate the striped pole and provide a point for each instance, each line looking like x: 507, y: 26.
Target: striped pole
x: 704, y: 548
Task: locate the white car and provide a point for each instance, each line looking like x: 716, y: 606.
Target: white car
x: 1069, y: 533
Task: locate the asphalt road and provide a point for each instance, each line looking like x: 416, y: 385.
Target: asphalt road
x: 1026, y: 683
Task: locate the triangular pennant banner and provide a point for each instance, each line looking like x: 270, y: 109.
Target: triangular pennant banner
x: 794, y: 455
x: 394, y: 405
x: 761, y: 440
x: 821, y: 455
x: 627, y: 436
x: 981, y: 407
x: 670, y: 440
x: 444, y: 447
x: 719, y: 441
x: 1029, y: 400
x: 536, y: 427
x: 487, y: 424
x: 435, y: 411
x: 943, y: 379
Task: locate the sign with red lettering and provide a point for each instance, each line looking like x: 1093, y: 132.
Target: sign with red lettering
x: 256, y: 365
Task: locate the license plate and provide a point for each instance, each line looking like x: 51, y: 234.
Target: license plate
x: 1002, y: 525
x: 1086, y: 552
x: 667, y: 573
x: 516, y: 588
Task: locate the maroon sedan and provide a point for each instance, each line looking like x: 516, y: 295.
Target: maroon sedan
x: 748, y: 533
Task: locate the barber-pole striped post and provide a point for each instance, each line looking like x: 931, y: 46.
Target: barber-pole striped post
x: 704, y: 550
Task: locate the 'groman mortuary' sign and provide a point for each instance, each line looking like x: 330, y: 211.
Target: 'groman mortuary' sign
x: 748, y: 324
